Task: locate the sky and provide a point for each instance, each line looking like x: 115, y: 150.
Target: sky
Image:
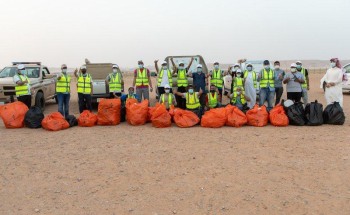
x: 123, y: 32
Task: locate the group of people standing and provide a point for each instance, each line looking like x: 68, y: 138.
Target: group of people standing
x: 194, y: 97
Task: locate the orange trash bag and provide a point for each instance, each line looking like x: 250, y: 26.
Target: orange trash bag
x: 172, y: 110
x: 87, y: 119
x: 137, y: 113
x: 258, y: 116
x: 214, y: 118
x: 55, y: 122
x: 185, y: 118
x: 160, y: 117
x: 12, y: 114
x: 235, y: 117
x: 149, y: 113
x: 278, y: 116
x: 109, y: 112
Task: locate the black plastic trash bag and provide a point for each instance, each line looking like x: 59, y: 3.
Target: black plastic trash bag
x: 296, y: 114
x: 314, y: 113
x: 72, y: 120
x: 333, y: 114
x: 33, y: 117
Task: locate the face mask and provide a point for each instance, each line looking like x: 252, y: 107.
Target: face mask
x: 293, y: 69
x: 332, y: 64
x: 238, y: 93
x: 199, y: 70
x: 114, y: 71
x: 21, y: 72
x: 140, y: 66
x: 167, y: 91
x: 267, y: 67
x: 239, y: 75
x: 190, y: 91
x: 181, y: 67
x: 64, y: 71
x: 298, y: 66
x: 277, y: 67
x: 235, y: 69
x: 249, y: 68
x: 131, y: 92
x: 216, y: 66
x: 165, y: 67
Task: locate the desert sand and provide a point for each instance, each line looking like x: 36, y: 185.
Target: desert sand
x: 144, y: 170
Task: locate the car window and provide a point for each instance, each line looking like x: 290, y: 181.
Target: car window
x: 45, y: 72
x: 347, y: 68
x: 31, y: 72
x: 186, y: 61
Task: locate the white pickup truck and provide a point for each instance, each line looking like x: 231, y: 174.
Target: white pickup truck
x: 42, y: 83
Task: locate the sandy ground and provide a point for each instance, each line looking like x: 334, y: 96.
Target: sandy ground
x: 143, y: 170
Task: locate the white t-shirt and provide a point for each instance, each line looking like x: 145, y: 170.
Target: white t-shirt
x: 165, y: 79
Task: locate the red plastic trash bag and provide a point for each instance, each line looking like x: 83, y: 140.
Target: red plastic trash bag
x: 13, y: 114
x: 258, y: 116
x: 55, y: 122
x: 109, y: 112
x: 235, y: 117
x: 160, y: 117
x: 214, y: 118
x: 278, y: 116
x: 149, y: 113
x: 172, y: 110
x: 185, y: 118
x: 137, y: 113
x: 87, y: 119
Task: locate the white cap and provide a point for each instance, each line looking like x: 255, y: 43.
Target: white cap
x: 20, y: 66
x: 236, y: 64
x: 293, y: 65
x: 164, y: 62
x: 181, y: 62
x: 298, y: 62
x: 199, y: 66
x: 83, y: 67
x: 167, y: 86
x: 239, y: 71
x: 249, y: 64
x: 115, y: 66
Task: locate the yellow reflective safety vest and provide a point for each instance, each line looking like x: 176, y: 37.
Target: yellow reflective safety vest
x: 115, y: 82
x: 304, y: 85
x: 170, y: 99
x: 170, y: 79
x: 237, y: 82
x: 141, y: 77
x: 63, y: 85
x: 216, y: 78
x: 22, y: 90
x: 267, y: 78
x: 182, y: 78
x: 192, y: 102
x: 84, y: 84
x: 212, y: 99
x: 246, y: 73
x: 242, y: 98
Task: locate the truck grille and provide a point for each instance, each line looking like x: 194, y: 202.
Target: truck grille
x: 9, y: 90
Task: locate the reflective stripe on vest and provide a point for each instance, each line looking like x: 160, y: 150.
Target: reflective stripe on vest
x: 267, y: 78
x: 234, y: 98
x: 253, y: 74
x: 216, y: 78
x: 238, y: 82
x: 213, y: 100
x: 115, y: 83
x: 182, y: 78
x: 141, y: 77
x: 192, y: 102
x: 304, y: 85
x: 170, y: 79
x: 63, y: 85
x: 22, y: 89
x: 84, y: 84
x: 170, y: 99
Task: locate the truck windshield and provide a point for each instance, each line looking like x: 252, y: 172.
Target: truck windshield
x: 31, y: 72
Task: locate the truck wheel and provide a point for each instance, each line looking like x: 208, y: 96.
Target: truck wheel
x: 40, y: 101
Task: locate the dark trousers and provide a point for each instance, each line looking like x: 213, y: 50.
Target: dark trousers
x: 26, y: 99
x: 84, y: 102
x: 279, y: 92
x: 181, y: 102
x: 63, y: 103
x: 294, y: 96
x: 202, y: 99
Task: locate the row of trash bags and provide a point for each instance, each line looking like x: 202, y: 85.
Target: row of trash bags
x: 17, y: 115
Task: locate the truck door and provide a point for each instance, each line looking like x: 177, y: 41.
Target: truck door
x: 48, y: 83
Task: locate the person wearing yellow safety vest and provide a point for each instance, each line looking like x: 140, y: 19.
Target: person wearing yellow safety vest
x: 85, y: 89
x: 250, y: 85
x: 266, y: 78
x: 192, y: 100
x: 306, y: 85
x: 165, y: 77
x: 217, y: 78
x: 239, y: 99
x: 63, y: 91
x: 237, y: 81
x: 22, y: 88
x: 115, y: 82
x: 142, y: 81
x: 167, y: 98
x: 213, y: 100
x: 182, y: 80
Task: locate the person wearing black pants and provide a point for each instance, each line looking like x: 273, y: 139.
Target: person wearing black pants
x: 294, y: 96
x: 26, y: 99
x: 294, y: 80
x: 84, y: 102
